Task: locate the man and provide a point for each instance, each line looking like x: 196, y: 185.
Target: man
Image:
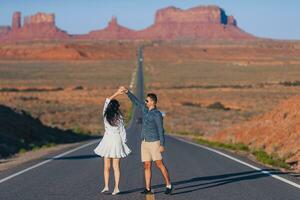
x: 153, y: 139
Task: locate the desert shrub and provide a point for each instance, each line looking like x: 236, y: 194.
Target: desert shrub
x: 218, y: 106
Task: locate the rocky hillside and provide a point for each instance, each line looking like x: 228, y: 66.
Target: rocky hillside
x: 276, y: 132
x: 18, y: 130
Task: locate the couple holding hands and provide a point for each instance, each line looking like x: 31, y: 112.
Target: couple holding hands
x: 113, y: 145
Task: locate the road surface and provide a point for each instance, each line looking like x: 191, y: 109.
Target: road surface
x: 196, y: 173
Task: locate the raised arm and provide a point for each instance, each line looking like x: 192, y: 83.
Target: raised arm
x: 119, y: 91
x: 107, y: 100
x: 135, y: 100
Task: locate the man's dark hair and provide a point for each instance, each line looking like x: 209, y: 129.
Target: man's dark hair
x: 153, y: 97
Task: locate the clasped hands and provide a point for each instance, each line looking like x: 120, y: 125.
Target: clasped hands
x: 122, y: 90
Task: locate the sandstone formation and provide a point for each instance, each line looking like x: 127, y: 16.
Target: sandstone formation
x: 209, y: 22
x: 171, y: 23
x: 113, y: 31
x: 276, y: 132
x: 35, y: 27
x: 39, y: 18
x: 203, y: 22
x: 201, y: 15
x: 16, y: 23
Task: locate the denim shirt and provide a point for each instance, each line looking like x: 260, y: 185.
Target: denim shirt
x: 152, y: 127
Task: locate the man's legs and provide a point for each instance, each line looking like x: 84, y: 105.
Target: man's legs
x: 147, y: 168
x: 164, y: 171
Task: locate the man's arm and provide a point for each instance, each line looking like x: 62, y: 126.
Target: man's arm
x: 135, y: 101
x: 160, y: 127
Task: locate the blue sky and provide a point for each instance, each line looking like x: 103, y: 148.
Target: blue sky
x: 265, y: 18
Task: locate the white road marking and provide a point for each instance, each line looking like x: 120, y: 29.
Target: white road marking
x: 46, y: 161
x: 241, y: 162
x: 133, y: 79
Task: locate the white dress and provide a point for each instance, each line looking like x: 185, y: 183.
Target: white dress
x: 113, y: 143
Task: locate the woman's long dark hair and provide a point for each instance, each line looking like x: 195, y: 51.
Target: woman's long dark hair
x: 113, y: 113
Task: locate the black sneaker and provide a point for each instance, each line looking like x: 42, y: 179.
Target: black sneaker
x: 146, y: 191
x: 169, y: 190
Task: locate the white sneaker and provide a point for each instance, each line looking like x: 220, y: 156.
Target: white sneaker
x: 106, y: 189
x: 116, y: 191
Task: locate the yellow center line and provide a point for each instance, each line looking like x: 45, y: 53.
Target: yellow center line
x: 150, y: 197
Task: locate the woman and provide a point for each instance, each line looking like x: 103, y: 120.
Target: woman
x: 113, y: 145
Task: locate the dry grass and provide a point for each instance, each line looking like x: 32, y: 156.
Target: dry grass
x: 106, y: 74
x: 204, y: 86
x: 190, y: 90
x: 77, y: 105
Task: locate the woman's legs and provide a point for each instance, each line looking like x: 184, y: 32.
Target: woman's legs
x: 116, y: 166
x: 106, y: 171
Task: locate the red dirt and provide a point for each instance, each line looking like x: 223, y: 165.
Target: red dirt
x: 277, y: 131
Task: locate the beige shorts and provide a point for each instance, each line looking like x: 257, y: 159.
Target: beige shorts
x: 150, y: 151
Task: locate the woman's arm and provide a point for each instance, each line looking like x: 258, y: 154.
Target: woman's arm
x: 119, y: 91
x: 122, y: 130
x: 107, y: 100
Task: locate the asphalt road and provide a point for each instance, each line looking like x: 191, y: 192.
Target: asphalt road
x: 196, y: 173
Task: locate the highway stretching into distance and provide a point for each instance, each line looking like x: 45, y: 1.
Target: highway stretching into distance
x: 197, y: 172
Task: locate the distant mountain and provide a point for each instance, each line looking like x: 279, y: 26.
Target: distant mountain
x: 36, y: 27
x: 171, y: 23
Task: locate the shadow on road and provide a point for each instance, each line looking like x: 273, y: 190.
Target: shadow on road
x: 79, y: 157
x: 76, y: 157
x: 204, y: 182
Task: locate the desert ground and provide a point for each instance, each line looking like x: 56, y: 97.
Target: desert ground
x: 203, y: 87
x: 64, y: 94
x: 206, y: 97
x: 206, y: 87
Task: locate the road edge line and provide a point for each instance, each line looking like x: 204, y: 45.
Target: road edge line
x: 239, y: 161
x: 46, y: 161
